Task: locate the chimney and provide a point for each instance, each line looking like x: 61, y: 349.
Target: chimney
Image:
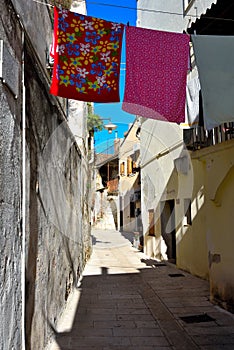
x: 116, y: 145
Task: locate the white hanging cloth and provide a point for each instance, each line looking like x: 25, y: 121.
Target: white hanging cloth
x: 215, y: 62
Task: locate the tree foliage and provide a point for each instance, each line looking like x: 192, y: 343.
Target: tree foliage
x: 94, y: 122
x: 66, y: 4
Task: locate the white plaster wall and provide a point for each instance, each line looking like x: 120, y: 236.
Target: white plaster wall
x: 161, y: 142
x: 127, y: 184
x: 170, y: 15
x: 161, y: 20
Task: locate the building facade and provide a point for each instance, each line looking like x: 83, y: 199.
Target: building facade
x: 129, y: 182
x: 187, y: 174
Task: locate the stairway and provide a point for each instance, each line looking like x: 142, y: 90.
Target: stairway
x: 107, y: 221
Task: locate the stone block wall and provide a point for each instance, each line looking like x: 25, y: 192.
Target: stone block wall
x: 10, y: 188
x: 57, y: 190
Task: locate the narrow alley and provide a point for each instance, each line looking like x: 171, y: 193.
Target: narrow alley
x: 126, y: 301
x: 117, y: 174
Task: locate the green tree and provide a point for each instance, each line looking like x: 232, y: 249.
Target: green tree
x: 94, y: 123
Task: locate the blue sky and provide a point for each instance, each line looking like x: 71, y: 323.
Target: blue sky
x: 113, y: 110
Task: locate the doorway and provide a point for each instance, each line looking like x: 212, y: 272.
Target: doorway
x: 121, y: 220
x: 168, y: 228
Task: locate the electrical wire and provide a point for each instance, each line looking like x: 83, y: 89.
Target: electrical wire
x: 146, y: 10
x: 136, y: 9
x: 43, y: 3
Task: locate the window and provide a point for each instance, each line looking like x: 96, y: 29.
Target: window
x: 122, y: 169
x: 187, y: 211
x: 151, y: 222
x: 132, y: 209
x: 129, y: 166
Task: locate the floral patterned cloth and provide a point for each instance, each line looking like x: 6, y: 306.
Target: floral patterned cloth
x: 156, y: 71
x: 87, y: 53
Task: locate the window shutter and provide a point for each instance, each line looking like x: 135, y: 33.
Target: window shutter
x: 122, y: 168
x: 129, y: 166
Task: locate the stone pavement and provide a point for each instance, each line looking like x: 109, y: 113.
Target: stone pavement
x: 128, y: 302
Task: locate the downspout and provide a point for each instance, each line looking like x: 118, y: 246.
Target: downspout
x: 23, y: 253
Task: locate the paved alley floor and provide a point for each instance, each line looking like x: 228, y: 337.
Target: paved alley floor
x: 128, y: 302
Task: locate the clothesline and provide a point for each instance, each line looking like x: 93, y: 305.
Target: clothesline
x: 146, y: 10
x: 157, y: 11
x: 43, y: 3
x: 87, y: 56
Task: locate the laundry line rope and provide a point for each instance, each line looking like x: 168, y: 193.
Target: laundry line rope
x: 145, y: 10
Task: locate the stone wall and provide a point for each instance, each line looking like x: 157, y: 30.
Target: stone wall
x: 57, y: 191
x: 10, y: 189
x: 36, y: 19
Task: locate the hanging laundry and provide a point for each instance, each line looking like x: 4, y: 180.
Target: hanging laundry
x: 87, y: 53
x: 156, y: 70
x: 214, y: 57
x: 192, y: 103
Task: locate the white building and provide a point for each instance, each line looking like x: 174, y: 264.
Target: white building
x: 129, y: 181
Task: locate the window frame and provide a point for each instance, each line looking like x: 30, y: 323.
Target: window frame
x: 188, y: 211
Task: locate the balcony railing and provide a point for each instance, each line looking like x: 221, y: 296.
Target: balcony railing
x: 198, y: 138
x: 113, y: 186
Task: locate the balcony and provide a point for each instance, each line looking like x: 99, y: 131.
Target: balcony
x: 198, y: 138
x: 113, y: 187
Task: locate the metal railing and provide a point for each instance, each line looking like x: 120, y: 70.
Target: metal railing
x: 198, y: 137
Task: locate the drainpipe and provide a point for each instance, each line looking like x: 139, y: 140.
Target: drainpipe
x: 23, y: 252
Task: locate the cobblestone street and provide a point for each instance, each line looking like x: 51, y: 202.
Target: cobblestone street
x: 126, y: 301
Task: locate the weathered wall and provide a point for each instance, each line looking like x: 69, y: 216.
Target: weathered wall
x: 36, y: 19
x: 57, y: 189
x: 10, y: 192
x: 10, y: 239
x: 58, y: 221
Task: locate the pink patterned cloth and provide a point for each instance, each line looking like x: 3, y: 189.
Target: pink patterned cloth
x: 156, y: 71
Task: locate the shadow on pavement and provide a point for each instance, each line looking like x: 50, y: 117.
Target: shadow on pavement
x: 128, y: 235
x: 112, y: 314
x: 132, y: 311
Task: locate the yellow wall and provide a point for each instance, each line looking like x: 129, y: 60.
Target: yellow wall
x: 206, y: 248
x: 191, y: 247
x: 220, y: 224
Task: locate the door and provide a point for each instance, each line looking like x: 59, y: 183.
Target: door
x: 168, y: 228
x: 121, y: 220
